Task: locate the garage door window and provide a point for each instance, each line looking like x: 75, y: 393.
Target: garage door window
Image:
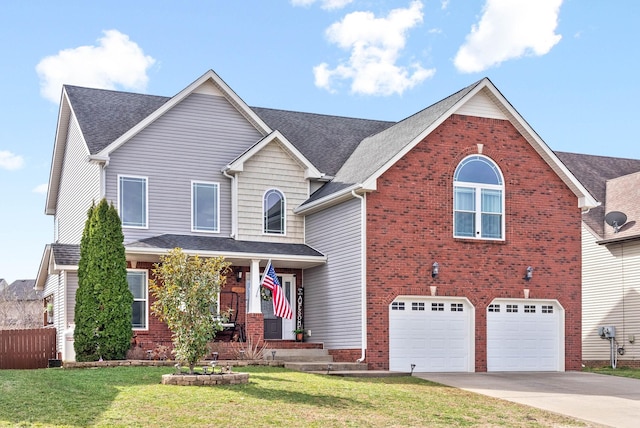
x: 417, y: 306
x: 494, y: 308
x: 512, y: 308
x: 529, y: 309
x: 547, y: 309
x: 397, y: 306
x: 437, y: 307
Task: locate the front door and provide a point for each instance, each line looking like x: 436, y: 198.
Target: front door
x: 276, y: 327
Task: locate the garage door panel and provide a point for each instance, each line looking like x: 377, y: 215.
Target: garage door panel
x: 523, y: 336
x: 434, y: 338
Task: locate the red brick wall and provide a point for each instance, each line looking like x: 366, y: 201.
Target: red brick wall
x: 410, y: 226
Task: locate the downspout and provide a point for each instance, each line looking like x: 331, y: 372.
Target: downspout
x: 363, y: 272
x: 234, y: 197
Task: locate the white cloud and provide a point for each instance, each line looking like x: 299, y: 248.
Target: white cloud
x: 41, y: 188
x: 116, y: 60
x: 324, y: 4
x: 10, y: 161
x: 375, y: 45
x: 509, y: 29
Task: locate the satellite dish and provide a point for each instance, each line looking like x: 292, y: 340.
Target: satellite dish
x: 615, y: 219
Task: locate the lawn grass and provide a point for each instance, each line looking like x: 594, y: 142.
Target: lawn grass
x: 134, y: 397
x: 620, y: 371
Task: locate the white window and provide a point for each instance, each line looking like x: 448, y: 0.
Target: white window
x: 132, y: 201
x: 274, y: 212
x: 137, y: 280
x: 478, y: 199
x: 205, y: 207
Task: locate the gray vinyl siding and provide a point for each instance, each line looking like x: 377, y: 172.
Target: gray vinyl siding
x: 271, y: 168
x: 192, y: 141
x: 79, y: 188
x: 610, y: 296
x: 54, y: 287
x: 333, y: 292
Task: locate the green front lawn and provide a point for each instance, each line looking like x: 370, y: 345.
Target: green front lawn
x: 133, y: 396
x: 620, y: 371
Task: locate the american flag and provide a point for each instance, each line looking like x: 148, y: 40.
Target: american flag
x: 281, y: 307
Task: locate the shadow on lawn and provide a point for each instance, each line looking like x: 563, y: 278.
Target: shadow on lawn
x: 64, y: 396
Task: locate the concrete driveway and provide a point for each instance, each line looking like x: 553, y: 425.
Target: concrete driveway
x: 606, y: 400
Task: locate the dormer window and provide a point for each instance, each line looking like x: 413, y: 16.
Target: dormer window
x: 274, y: 212
x: 478, y: 199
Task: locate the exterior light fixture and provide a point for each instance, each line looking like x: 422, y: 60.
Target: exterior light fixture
x: 435, y: 269
x: 239, y: 275
x: 528, y: 274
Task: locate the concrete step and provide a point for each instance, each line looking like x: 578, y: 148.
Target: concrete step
x: 299, y: 355
x: 323, y: 367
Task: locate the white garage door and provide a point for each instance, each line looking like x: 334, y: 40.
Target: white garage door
x: 525, y: 335
x: 434, y: 333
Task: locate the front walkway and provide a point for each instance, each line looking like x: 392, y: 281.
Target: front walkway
x: 606, y: 400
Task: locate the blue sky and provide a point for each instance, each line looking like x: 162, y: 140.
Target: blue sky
x: 568, y: 66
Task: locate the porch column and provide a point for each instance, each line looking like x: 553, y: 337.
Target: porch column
x: 255, y: 321
x: 254, y: 306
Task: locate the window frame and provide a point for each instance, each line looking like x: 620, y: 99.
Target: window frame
x: 146, y: 201
x: 145, y: 272
x: 216, y: 202
x: 283, y: 215
x: 477, y: 211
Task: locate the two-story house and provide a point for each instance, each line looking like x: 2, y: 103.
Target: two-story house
x: 448, y: 241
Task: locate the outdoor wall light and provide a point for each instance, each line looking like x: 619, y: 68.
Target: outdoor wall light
x: 435, y: 269
x: 528, y: 274
x: 239, y: 275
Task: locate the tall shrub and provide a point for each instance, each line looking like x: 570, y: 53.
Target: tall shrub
x: 103, y: 301
x: 186, y: 289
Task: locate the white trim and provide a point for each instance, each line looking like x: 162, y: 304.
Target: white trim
x: 284, y: 213
x: 146, y: 300
x: 146, y: 202
x: 216, y: 202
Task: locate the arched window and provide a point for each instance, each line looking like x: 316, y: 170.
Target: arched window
x: 478, y: 199
x: 274, y: 212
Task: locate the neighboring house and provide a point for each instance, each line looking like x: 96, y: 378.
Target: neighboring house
x: 610, y: 257
x: 399, y: 243
x: 21, y: 306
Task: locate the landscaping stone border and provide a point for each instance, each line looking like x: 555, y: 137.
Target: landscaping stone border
x: 168, y: 363
x: 205, y: 379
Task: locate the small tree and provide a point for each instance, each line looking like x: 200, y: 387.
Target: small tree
x: 103, y: 308
x: 186, y: 289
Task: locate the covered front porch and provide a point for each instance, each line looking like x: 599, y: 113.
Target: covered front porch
x: 248, y: 311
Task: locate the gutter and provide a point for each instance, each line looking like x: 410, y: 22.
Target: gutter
x: 363, y: 272
x: 234, y: 198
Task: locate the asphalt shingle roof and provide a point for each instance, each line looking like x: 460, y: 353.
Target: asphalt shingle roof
x: 227, y: 245
x: 22, y: 289
x: 66, y: 254
x: 105, y: 115
x: 327, y: 141
x: 593, y: 172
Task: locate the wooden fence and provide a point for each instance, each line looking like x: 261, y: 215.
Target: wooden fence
x: 27, y: 348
